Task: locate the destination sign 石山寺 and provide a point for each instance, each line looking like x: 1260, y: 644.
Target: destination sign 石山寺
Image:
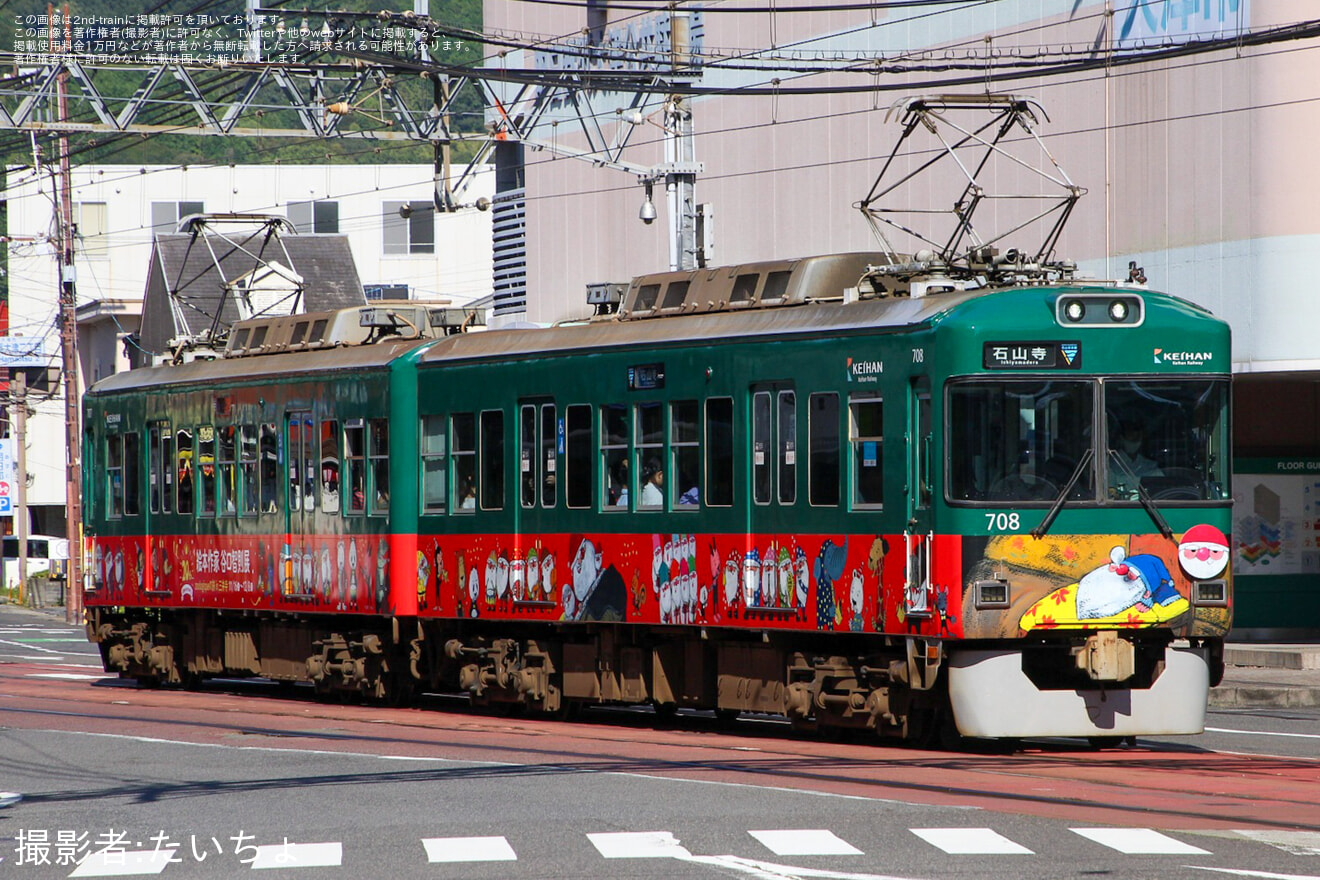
x: 1031, y: 355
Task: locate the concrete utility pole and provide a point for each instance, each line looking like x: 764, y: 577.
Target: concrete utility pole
x: 18, y: 410
x: 69, y: 346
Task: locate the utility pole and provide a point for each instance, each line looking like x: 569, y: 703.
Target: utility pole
x: 18, y: 411
x: 69, y: 345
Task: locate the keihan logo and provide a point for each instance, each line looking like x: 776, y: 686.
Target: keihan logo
x: 1183, y: 358
x: 865, y: 371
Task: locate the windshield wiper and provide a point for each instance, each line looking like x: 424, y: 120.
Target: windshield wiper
x: 1143, y: 496
x: 1044, y: 527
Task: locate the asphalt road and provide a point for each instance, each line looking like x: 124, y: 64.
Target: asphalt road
x: 222, y: 784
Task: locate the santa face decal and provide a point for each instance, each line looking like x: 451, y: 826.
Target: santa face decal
x: 1203, y: 552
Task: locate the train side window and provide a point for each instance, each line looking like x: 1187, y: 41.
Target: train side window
x: 114, y: 476
x: 355, y: 465
x: 270, y: 469
x: 330, y: 456
x: 685, y: 453
x: 614, y: 455
x: 206, y: 470
x: 527, y: 455
x: 463, y: 444
x: 167, y: 460
x: 184, y: 449
x: 249, y: 470
x: 719, y: 452
x: 577, y: 455
x: 823, y: 451
x: 227, y: 451
x: 650, y: 456
x: 433, y: 464
x: 492, y: 459
x: 787, y: 441
x: 761, y: 440
x: 867, y: 437
x: 132, y: 474
x: 379, y: 458
x: 155, y: 476
x: 548, y: 459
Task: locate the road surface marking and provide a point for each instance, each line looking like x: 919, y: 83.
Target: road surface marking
x: 1299, y: 843
x: 1139, y: 841
x: 639, y: 845
x: 805, y: 842
x: 468, y: 849
x: 970, y: 841
x: 1262, y: 733
x: 299, y: 855
x: 124, y: 864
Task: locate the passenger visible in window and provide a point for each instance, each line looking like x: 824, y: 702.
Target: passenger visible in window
x: 619, y: 485
x: 467, y: 495
x: 330, y: 484
x: 653, y: 489
x: 1129, y: 462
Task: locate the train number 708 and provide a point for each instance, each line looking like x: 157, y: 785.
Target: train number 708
x: 1003, y: 522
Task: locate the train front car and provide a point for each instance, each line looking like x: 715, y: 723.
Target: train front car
x: 1084, y: 512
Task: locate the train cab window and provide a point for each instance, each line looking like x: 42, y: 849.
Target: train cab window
x: 226, y: 458
x: 249, y: 470
x: 867, y: 437
x: 614, y: 455
x: 577, y: 456
x: 685, y: 454
x: 114, y: 476
x: 719, y: 452
x: 823, y: 449
x: 549, y: 475
x: 1166, y: 436
x: 329, y: 475
x: 491, y: 488
x: 355, y: 465
x: 650, y: 456
x: 378, y: 454
x: 206, y: 470
x: 270, y: 471
x: 463, y: 459
x: 183, y: 447
x: 786, y: 441
x: 434, y: 464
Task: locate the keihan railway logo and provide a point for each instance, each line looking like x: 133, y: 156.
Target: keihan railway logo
x: 1182, y: 358
x: 865, y: 371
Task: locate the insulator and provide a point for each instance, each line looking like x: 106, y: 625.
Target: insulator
x: 340, y: 108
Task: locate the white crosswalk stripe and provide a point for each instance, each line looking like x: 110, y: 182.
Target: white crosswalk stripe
x: 299, y: 855
x: 970, y: 841
x: 124, y: 864
x: 638, y: 845
x: 1299, y: 843
x: 1139, y: 841
x: 805, y: 842
x: 468, y: 849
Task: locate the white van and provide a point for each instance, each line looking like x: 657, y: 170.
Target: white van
x: 44, y: 553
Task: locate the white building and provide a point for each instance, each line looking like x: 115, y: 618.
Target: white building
x: 118, y: 209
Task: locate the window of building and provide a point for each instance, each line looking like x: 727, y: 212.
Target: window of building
x: 165, y: 216
x: 823, y: 450
x: 719, y: 452
x: 614, y: 455
x: 91, y: 230
x: 409, y: 228
x: 379, y: 455
x: 320, y: 216
x: 577, y: 455
x: 434, y: 463
x: 867, y: 438
x: 463, y: 459
x: 492, y: 460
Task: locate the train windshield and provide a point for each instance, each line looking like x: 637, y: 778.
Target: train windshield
x: 1021, y: 441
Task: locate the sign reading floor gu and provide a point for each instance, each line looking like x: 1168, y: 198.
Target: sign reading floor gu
x: 1150, y: 24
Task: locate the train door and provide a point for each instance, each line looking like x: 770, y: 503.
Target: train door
x: 918, y: 535
x: 774, y: 483
x: 299, y: 511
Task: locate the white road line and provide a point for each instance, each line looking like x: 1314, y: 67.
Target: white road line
x: 771, y: 871
x: 468, y: 849
x: 970, y: 841
x: 66, y: 676
x: 125, y: 864
x: 1265, y: 875
x: 805, y: 842
x: 1139, y: 841
x: 638, y: 845
x: 28, y: 646
x: 1298, y: 843
x: 299, y: 855
x: 1262, y: 733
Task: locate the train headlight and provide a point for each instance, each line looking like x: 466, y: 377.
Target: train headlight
x: 1074, y: 310
x: 1118, y: 310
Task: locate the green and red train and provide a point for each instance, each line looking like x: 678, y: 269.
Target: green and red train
x: 835, y: 489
